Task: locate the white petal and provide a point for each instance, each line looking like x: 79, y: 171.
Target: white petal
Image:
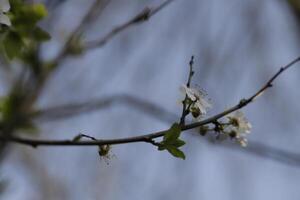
x: 188, y: 92
x: 4, y: 5
x: 242, y: 141
x: 183, y: 89
x: 205, y: 103
x: 202, y: 105
x: 4, y: 19
x: 201, y: 108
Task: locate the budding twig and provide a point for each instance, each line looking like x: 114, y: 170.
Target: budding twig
x: 148, y: 138
x: 185, y: 110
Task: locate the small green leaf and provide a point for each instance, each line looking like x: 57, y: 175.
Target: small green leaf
x: 39, y: 10
x: 177, y: 143
x: 171, y: 141
x: 40, y: 35
x: 176, y: 152
x: 172, y: 148
x: 173, y: 133
x: 12, y: 44
x: 161, y: 147
x: 77, y: 138
x: 25, y: 16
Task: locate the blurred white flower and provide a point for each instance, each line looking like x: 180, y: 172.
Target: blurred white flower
x: 242, y: 141
x: 199, y: 104
x: 238, y: 120
x: 240, y: 127
x: 4, y: 8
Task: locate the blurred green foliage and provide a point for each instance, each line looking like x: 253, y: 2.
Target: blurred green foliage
x: 14, y: 115
x: 21, y: 38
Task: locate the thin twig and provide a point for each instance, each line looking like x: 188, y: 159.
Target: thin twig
x: 147, y: 137
x: 185, y: 110
x: 143, y: 16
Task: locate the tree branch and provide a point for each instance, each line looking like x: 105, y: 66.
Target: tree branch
x: 147, y: 137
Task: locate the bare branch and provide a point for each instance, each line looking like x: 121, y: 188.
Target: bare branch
x: 146, y: 137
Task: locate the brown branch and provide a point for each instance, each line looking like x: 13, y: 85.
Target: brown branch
x: 147, y: 137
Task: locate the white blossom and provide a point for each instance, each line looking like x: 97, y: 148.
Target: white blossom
x: 240, y: 126
x: 4, y: 8
x: 240, y: 122
x: 242, y: 141
x: 199, y: 103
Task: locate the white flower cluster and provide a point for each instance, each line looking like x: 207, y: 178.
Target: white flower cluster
x: 239, y: 128
x: 198, y: 105
x: 4, y: 8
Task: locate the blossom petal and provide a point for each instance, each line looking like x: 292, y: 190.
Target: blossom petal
x: 4, y: 19
x: 242, y: 141
x: 198, y: 100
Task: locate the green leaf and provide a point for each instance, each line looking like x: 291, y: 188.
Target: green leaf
x: 25, y: 16
x: 12, y: 44
x: 173, y: 133
x: 171, y: 141
x: 176, y: 152
x: 77, y: 138
x: 173, y: 148
x: 161, y: 147
x: 15, y: 4
x: 39, y: 10
x: 40, y: 35
x: 177, y: 143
